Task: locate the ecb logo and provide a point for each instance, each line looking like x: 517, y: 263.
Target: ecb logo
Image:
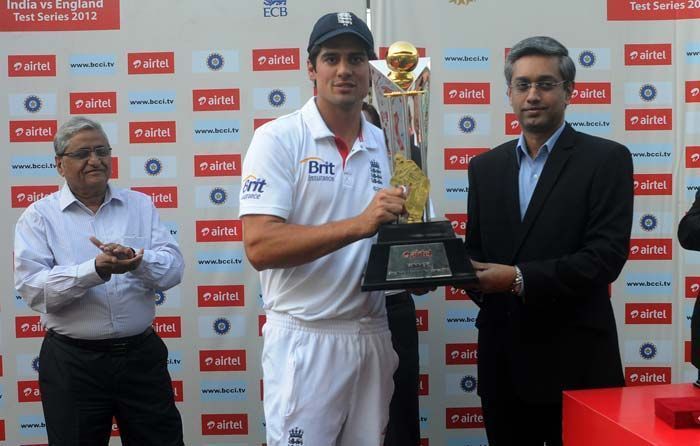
x: 218, y: 195
x: 32, y: 104
x: 274, y: 8
x: 215, y: 61
x: 647, y: 92
x: 222, y: 326
x: 647, y: 350
x: 153, y: 167
x: 467, y: 124
x: 648, y: 222
x: 586, y: 59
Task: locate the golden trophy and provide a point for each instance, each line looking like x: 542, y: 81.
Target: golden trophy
x: 415, y: 252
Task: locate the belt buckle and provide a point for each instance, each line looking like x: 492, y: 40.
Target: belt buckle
x: 119, y: 349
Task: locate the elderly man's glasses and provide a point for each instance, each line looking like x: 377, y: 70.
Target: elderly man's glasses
x: 83, y: 154
x: 524, y: 87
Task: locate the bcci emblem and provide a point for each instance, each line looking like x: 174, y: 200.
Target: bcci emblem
x: 647, y: 350
x: 647, y: 92
x: 277, y: 98
x: 586, y: 59
x: 648, y: 222
x: 218, y: 195
x: 468, y: 384
x: 222, y: 326
x: 296, y: 437
x: 153, y: 167
x: 215, y: 61
x: 32, y: 104
x: 35, y: 364
x: 159, y: 298
x: 467, y: 124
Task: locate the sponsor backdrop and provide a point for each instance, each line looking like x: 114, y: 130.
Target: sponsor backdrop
x: 181, y: 86
x: 638, y: 82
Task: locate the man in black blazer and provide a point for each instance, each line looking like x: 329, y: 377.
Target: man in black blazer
x: 689, y: 237
x: 548, y: 230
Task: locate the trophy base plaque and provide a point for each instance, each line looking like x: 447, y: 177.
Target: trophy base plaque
x: 417, y: 255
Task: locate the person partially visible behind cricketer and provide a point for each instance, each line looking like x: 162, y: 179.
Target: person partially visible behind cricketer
x: 689, y: 238
x: 314, y: 192
x: 404, y: 419
x: 90, y: 259
x: 550, y: 216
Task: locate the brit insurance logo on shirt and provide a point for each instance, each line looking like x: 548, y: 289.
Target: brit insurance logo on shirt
x: 222, y: 360
x: 157, y: 62
x: 276, y: 59
x: 216, y: 99
x: 317, y: 170
x: 31, y: 65
x: 225, y: 424
x: 644, y: 376
x: 32, y: 104
x: 253, y: 187
x: 23, y: 196
x: 220, y: 296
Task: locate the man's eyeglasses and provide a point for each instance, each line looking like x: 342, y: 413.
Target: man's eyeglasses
x: 83, y: 154
x: 524, y: 87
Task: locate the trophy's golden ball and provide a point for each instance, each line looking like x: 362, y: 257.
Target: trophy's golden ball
x: 402, y: 57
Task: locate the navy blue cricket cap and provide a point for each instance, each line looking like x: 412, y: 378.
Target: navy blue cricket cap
x: 338, y: 23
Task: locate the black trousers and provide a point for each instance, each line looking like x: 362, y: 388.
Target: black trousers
x: 404, y: 423
x: 85, y: 383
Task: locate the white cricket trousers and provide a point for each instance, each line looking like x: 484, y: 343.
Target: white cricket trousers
x: 327, y: 383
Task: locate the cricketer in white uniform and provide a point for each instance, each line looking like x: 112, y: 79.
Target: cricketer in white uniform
x: 314, y: 192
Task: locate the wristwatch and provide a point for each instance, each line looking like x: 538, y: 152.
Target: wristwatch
x: 517, y: 286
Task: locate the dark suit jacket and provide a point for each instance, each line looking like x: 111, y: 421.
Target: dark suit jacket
x: 572, y: 243
x: 689, y: 236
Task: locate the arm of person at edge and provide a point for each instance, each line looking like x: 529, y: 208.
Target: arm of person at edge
x: 271, y: 242
x: 604, y: 243
x: 689, y: 227
x: 47, y: 287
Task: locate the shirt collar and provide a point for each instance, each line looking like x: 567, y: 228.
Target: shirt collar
x: 319, y: 129
x: 66, y: 197
x: 547, y: 147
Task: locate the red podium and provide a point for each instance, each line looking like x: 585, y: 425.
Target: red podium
x: 624, y: 416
